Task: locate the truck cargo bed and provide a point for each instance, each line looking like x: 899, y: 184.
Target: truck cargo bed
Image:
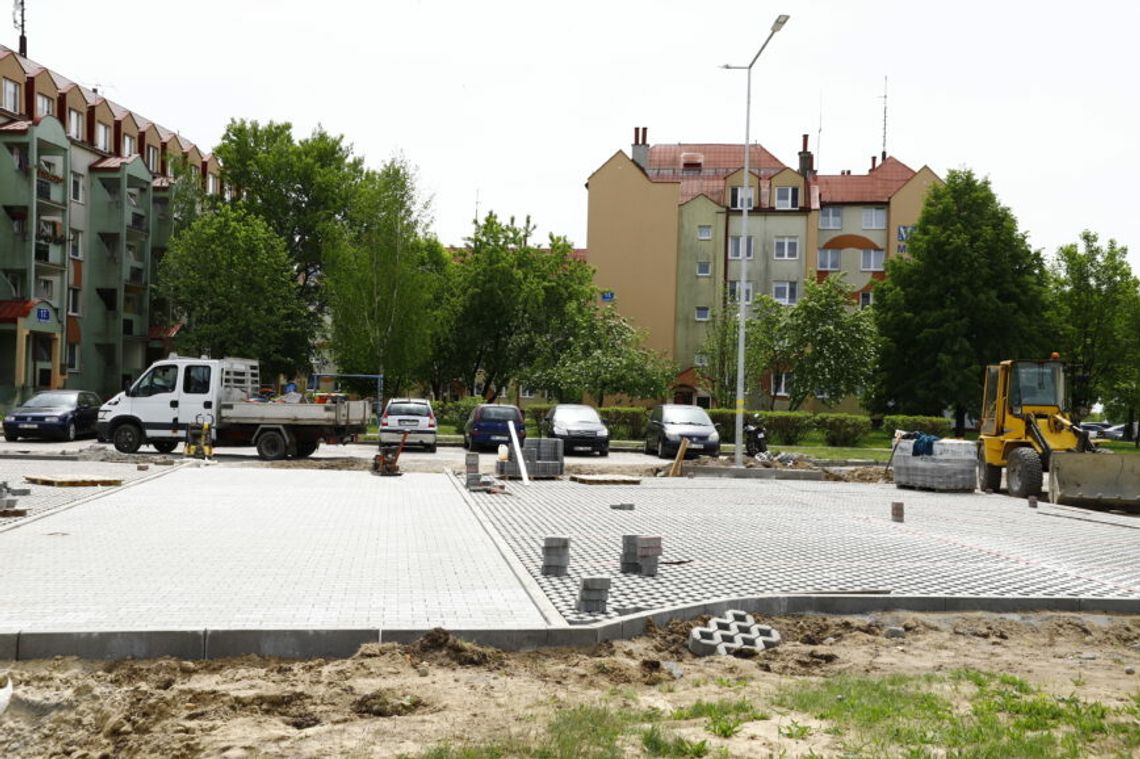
x: 352, y: 413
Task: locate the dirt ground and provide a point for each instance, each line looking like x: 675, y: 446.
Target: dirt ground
x: 392, y: 700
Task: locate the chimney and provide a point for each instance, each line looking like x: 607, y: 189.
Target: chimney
x: 884, y: 156
x: 640, y: 148
x: 807, y: 161
x: 874, y: 160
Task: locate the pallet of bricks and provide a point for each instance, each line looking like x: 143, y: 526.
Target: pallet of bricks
x: 542, y: 456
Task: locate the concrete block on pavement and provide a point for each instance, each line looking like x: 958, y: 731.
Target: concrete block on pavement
x: 138, y: 644
x: 288, y: 644
x: 8, y: 646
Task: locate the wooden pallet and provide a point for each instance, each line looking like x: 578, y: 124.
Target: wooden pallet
x: 13, y: 513
x: 605, y: 479
x: 74, y: 482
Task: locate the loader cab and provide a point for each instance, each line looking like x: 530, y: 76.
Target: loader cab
x: 1016, y: 387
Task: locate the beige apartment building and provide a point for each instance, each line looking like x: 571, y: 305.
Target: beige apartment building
x: 84, y: 220
x: 665, y: 239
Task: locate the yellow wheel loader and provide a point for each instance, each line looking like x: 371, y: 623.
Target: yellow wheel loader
x: 1026, y: 428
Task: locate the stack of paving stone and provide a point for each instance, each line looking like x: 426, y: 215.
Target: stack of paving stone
x: 735, y: 633
x: 555, y: 556
x: 639, y: 554
x: 474, y: 479
x: 951, y: 467
x: 593, y: 594
x: 8, y: 500
x: 542, y: 456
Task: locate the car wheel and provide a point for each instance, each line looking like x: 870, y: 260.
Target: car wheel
x: 11, y: 437
x: 164, y: 446
x: 271, y: 446
x: 127, y: 437
x: 604, y: 451
x: 661, y: 449
x: 71, y: 433
x: 466, y: 442
x: 430, y: 448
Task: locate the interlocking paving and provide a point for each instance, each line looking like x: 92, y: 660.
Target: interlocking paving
x: 736, y: 538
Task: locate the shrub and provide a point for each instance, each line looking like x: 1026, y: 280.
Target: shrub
x: 843, y: 430
x: 931, y: 425
x: 536, y: 412
x: 787, y: 427
x: 726, y: 418
x: 625, y: 423
x: 455, y: 413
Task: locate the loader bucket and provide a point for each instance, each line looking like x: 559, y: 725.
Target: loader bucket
x: 1101, y: 480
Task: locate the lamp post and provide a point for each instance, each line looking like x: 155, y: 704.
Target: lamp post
x: 777, y: 25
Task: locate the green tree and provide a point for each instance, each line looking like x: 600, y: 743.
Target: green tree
x: 832, y: 343
x: 303, y: 190
x: 770, y: 350
x: 719, y: 348
x: 970, y: 293
x: 1093, y: 297
x: 228, y: 278
x: 383, y: 281
x: 606, y: 355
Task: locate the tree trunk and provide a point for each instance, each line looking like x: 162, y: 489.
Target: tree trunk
x: 959, y: 421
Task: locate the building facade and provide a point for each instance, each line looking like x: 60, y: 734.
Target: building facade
x: 665, y: 237
x: 84, y: 193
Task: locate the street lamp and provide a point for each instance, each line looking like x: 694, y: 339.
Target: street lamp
x: 777, y: 25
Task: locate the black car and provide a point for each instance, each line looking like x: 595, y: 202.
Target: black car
x: 671, y: 422
x: 61, y: 414
x: 579, y: 427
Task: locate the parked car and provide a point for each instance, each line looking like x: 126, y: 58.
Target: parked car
x: 579, y: 427
x: 670, y: 423
x: 411, y: 415
x: 1115, y: 432
x: 63, y: 414
x: 1095, y: 429
x: 487, y: 425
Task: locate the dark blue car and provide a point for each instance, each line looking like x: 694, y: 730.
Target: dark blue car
x: 60, y: 414
x: 487, y: 426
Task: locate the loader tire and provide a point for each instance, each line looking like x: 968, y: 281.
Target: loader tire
x: 989, y: 476
x: 1024, y: 473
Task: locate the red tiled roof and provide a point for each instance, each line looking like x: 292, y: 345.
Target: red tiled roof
x: 159, y: 332
x: 16, y: 126
x: 113, y: 163
x: 876, y: 186
x: 713, y: 156
x: 11, y: 310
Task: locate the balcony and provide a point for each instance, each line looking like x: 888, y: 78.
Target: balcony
x: 135, y: 276
x: 138, y: 222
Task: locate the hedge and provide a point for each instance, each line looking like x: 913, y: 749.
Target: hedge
x: 625, y: 423
x: 536, y: 412
x: 843, y: 430
x: 455, y: 413
x: 931, y: 425
x: 787, y: 427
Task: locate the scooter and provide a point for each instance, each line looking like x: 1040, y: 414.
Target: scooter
x: 755, y: 439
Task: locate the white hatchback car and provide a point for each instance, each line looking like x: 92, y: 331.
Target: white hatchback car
x: 413, y: 416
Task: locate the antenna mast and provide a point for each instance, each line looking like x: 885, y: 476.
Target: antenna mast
x: 819, y: 135
x: 18, y: 22
x: 884, y: 156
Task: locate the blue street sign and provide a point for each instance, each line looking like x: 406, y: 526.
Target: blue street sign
x: 607, y: 296
x: 43, y: 314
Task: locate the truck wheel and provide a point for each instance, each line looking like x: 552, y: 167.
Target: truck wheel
x: 165, y: 446
x: 306, y: 448
x: 1024, y: 472
x: 989, y: 476
x: 271, y: 446
x: 127, y: 437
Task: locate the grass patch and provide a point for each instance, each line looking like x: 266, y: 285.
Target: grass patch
x: 658, y: 743
x: 741, y: 709
x: 998, y: 715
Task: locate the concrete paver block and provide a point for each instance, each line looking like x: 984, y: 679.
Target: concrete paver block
x: 8, y: 646
x: 288, y: 644
x: 735, y: 632
x: 141, y: 644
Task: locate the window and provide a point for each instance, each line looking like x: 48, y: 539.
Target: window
x: 873, y: 260
x: 828, y: 260
x: 75, y: 250
x: 11, y: 96
x: 526, y: 392
x: 733, y: 288
x: 787, y: 198
x: 77, y: 187
x: 158, y: 381
x: 874, y: 218
x: 740, y: 196
x: 196, y: 380
x: 73, y: 298
x: 704, y: 231
x: 128, y: 145
x: 45, y: 288
x: 782, y: 383
x: 212, y: 189
x: 831, y: 217
x: 785, y: 292
x: 704, y: 268
x: 700, y: 359
x: 734, y: 246
x: 102, y: 136
x: 866, y: 299
x: 73, y: 357
x: 152, y: 158
x: 787, y: 248
x: 74, y: 124
x: 45, y: 106
x: 702, y: 314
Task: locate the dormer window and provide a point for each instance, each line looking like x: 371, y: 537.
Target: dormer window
x: 741, y: 196
x: 152, y: 158
x: 102, y: 136
x: 212, y: 184
x: 74, y: 124
x: 10, y: 96
x: 45, y: 106
x: 787, y: 198
x: 128, y: 145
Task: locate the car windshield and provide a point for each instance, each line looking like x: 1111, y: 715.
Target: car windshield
x: 500, y: 413
x: 408, y: 409
x: 578, y: 414
x: 51, y: 400
x: 692, y: 415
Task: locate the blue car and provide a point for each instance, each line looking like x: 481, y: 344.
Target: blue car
x: 487, y: 426
x: 59, y: 414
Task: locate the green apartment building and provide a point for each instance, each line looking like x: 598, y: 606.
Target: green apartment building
x: 665, y: 237
x: 84, y: 220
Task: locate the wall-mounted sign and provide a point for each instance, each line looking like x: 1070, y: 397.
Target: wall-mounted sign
x: 607, y: 296
x: 43, y: 314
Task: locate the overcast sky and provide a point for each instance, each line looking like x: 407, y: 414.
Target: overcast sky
x: 517, y: 103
